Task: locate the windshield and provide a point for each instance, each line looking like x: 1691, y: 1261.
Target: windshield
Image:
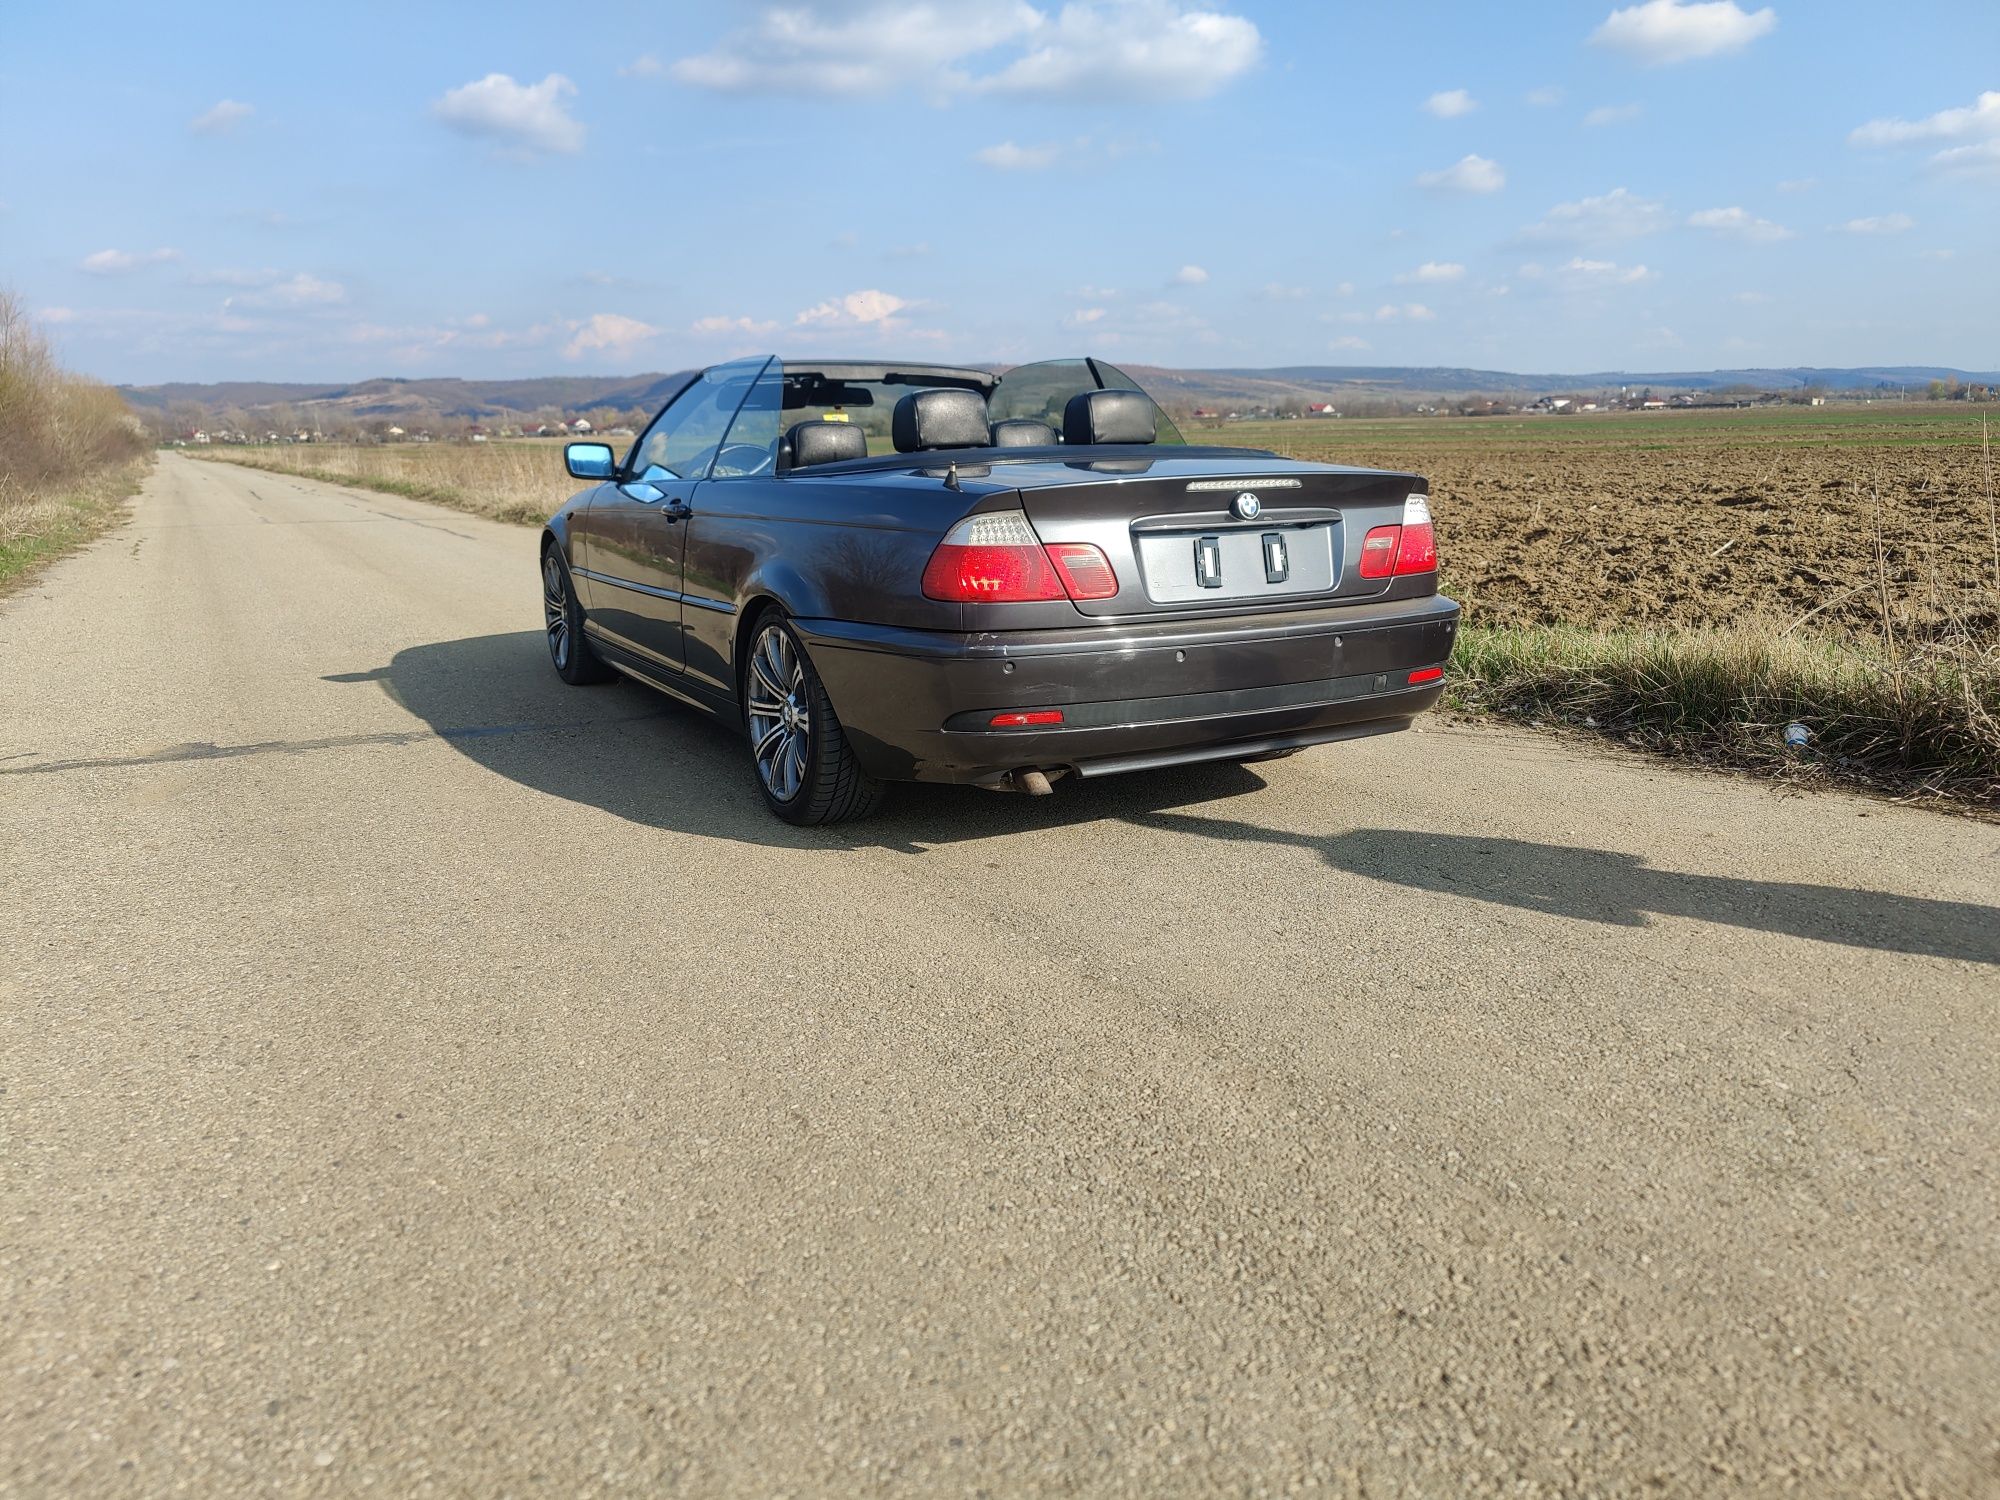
x: 1040, y: 391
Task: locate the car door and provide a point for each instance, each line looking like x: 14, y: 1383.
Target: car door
x: 637, y: 526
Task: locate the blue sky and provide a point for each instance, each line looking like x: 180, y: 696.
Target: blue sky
x: 277, y: 192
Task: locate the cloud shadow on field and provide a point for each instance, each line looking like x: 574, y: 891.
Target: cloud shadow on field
x: 1597, y: 885
x: 649, y: 759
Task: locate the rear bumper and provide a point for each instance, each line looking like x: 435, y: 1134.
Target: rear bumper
x: 917, y: 705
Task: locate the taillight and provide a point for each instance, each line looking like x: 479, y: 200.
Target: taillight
x: 996, y: 558
x: 1378, y: 552
x: 1086, y: 572
x: 1392, y: 551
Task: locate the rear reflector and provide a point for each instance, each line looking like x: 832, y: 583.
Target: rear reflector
x: 1023, y: 718
x: 1426, y: 674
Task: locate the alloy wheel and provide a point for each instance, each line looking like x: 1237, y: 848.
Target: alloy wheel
x: 780, y: 720
x: 555, y: 608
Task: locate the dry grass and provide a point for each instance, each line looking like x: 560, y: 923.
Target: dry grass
x: 1921, y: 723
x: 521, y: 482
x: 70, y: 451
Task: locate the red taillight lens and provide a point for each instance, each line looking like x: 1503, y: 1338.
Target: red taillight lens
x: 1022, y: 718
x: 1425, y: 674
x: 1417, y: 552
x: 991, y: 575
x: 1086, y: 572
x: 1378, y: 552
x: 996, y: 558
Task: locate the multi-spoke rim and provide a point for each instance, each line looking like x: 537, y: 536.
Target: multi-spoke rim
x: 555, y: 608
x: 780, y: 722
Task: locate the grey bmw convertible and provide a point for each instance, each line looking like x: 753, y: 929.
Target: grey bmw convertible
x: 911, y: 572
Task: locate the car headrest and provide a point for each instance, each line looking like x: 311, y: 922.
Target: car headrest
x: 1022, y: 432
x: 939, y: 419
x: 825, y: 443
x: 1110, y: 417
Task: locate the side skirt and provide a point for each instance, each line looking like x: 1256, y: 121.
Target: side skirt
x: 653, y: 676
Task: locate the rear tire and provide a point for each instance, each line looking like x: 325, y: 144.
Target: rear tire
x: 562, y: 623
x: 798, y: 752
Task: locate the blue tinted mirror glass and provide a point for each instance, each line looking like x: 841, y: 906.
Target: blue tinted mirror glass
x: 589, y: 460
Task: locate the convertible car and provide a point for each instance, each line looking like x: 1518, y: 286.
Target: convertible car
x: 909, y: 572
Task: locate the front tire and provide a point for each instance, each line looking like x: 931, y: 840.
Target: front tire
x: 798, y: 751
x: 562, y: 623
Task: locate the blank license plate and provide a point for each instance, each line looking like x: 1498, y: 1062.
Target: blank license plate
x: 1189, y: 567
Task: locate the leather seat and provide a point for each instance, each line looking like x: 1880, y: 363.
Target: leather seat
x: 928, y: 420
x: 1022, y: 432
x: 1110, y: 417
x: 819, y: 442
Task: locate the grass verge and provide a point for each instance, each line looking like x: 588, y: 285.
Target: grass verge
x: 37, y: 530
x: 501, y: 482
x: 1922, y: 725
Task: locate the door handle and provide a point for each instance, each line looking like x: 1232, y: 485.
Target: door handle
x: 680, y: 510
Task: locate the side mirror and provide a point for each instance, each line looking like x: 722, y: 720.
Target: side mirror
x: 589, y: 460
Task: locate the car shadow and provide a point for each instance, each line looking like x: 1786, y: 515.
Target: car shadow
x: 1597, y: 885
x: 638, y: 755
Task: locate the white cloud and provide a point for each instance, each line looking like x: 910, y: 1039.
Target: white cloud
x: 523, y: 118
x: 1739, y: 223
x: 720, y: 324
x: 1451, y: 103
x: 645, y: 65
x: 1278, y: 291
x: 1672, y: 31
x: 1189, y: 276
x: 613, y: 332
x: 1389, y: 312
x: 1132, y: 49
x: 1798, y: 184
x: 1432, y: 271
x: 1545, y: 97
x: 1980, y: 118
x: 1613, y: 114
x: 220, y: 118
x: 1008, y: 157
x: 1349, y: 341
x: 301, y: 290
x: 118, y: 262
x: 1605, y: 272
x: 1617, y: 215
x: 1981, y: 160
x: 1090, y: 49
x: 855, y: 310
x: 1469, y: 174
x: 1083, y: 317
x: 1880, y: 224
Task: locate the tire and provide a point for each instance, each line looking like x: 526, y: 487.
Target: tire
x: 562, y: 621
x: 798, y: 751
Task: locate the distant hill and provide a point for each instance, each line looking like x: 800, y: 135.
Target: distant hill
x: 454, y: 399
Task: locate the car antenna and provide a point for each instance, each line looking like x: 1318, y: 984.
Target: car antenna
x: 951, y: 477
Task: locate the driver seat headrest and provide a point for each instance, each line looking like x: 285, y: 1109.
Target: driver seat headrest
x: 946, y: 418
x: 821, y: 442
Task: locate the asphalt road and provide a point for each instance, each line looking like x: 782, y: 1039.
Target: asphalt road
x: 424, y: 1077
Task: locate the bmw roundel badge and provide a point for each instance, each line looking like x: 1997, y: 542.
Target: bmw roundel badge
x: 1247, y: 507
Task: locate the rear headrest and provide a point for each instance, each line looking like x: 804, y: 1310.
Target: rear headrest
x: 1022, y: 432
x: 939, y: 419
x: 1109, y: 417
x: 825, y: 443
